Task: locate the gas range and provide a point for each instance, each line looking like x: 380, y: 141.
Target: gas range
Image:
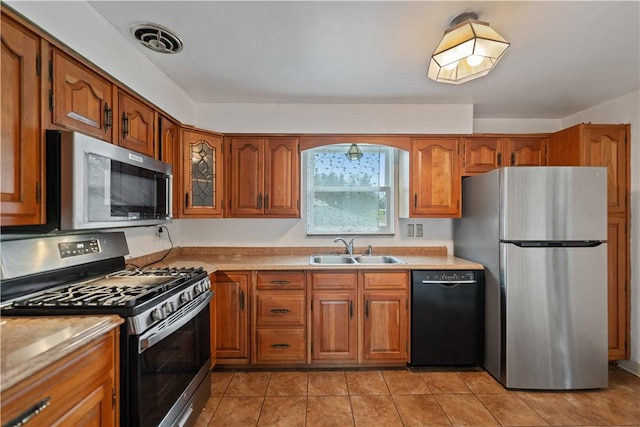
x: 144, y: 297
x: 165, y: 358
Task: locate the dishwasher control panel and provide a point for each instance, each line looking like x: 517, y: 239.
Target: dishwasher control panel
x: 445, y: 276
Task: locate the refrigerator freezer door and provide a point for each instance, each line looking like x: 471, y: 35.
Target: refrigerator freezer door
x: 553, y: 203
x: 556, y: 317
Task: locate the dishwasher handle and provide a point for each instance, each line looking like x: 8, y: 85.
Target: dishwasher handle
x: 443, y: 283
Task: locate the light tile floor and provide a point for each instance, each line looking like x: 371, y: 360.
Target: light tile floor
x: 401, y: 397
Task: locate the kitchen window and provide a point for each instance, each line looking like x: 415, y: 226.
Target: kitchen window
x: 350, y: 196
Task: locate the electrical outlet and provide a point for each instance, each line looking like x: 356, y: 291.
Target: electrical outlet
x: 409, y: 230
x: 418, y: 230
x: 159, y: 231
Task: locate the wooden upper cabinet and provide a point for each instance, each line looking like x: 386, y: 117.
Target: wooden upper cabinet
x: 526, y: 151
x: 264, y: 177
x: 135, y: 125
x: 435, y: 183
x: 201, y: 185
x: 605, y: 145
x: 482, y: 154
x: 169, y: 151
x: 596, y: 145
x: 81, y: 99
x: 20, y: 155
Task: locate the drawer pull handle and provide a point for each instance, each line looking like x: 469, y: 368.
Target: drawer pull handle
x: 280, y: 345
x: 280, y: 282
x: 280, y: 310
x: 31, y: 412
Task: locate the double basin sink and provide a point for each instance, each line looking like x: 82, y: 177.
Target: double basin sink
x: 353, y: 259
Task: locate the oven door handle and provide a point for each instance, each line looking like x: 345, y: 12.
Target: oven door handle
x: 154, y: 336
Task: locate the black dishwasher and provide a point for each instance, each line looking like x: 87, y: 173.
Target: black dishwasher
x: 447, y: 318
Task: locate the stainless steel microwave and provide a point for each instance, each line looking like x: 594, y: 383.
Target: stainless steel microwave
x: 92, y: 184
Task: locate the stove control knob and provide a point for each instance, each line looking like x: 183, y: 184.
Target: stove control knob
x: 158, y: 314
x: 169, y: 307
x: 186, y: 296
x: 199, y: 288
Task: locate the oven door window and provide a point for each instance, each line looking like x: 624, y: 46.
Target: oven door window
x: 162, y: 372
x: 121, y: 191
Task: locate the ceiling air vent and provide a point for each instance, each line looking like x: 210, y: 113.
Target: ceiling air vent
x: 156, y: 37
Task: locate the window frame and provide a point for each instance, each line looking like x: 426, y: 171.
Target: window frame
x: 390, y: 189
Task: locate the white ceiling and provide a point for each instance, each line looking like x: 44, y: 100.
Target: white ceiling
x: 564, y: 56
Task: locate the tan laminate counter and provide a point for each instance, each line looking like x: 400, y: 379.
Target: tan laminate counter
x: 230, y: 259
x: 29, y: 344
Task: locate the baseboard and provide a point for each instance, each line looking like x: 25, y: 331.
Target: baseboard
x: 630, y: 366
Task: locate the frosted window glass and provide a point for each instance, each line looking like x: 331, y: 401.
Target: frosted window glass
x: 350, y: 196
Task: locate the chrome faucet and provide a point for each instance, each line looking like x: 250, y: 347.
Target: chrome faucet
x: 348, y: 245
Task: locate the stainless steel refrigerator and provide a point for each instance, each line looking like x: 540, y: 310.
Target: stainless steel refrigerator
x: 541, y: 234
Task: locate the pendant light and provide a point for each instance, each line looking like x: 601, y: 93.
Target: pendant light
x: 468, y: 50
x: 354, y: 153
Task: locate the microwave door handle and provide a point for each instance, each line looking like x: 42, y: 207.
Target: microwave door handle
x: 169, y: 193
x: 152, y: 338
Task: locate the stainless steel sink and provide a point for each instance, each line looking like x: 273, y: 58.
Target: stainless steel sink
x: 332, y: 259
x: 378, y: 259
x: 353, y: 259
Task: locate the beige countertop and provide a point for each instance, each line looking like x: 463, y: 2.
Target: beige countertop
x: 29, y: 344
x: 229, y: 259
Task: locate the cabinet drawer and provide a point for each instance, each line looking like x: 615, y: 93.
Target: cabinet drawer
x: 280, y: 280
x: 81, y: 384
x: 385, y: 280
x: 281, y: 345
x: 280, y: 309
x: 334, y: 280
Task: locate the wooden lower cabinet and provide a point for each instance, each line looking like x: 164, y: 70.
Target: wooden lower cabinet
x: 232, y: 317
x: 617, y: 298
x: 279, y: 318
x: 78, y: 390
x: 360, y: 317
x: 385, y: 323
x: 334, y: 336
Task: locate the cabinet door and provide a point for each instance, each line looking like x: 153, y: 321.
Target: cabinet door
x: 525, y: 151
x: 334, y: 327
x: 201, y: 195
x: 617, y: 288
x: 435, y: 178
x: 282, y: 177
x: 213, y: 315
x: 247, y: 177
x: 168, y: 151
x: 385, y: 326
x: 82, y: 100
x: 232, y: 315
x: 135, y: 125
x: 20, y: 155
x: 481, y: 155
x: 605, y: 145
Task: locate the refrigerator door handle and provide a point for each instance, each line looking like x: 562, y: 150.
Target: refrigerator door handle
x: 562, y: 244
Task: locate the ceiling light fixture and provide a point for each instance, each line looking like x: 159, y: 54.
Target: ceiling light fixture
x: 468, y: 50
x: 354, y: 153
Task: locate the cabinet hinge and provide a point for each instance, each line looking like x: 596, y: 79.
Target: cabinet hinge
x: 38, y: 66
x: 113, y: 398
x: 298, y: 204
x: 406, y: 346
x: 38, y: 192
x: 311, y: 305
x: 50, y: 71
x: 50, y: 99
x: 311, y: 346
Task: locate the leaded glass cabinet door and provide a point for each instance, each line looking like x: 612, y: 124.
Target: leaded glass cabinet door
x: 202, y: 174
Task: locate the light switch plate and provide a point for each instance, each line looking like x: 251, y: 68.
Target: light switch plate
x: 409, y: 230
x: 418, y: 230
